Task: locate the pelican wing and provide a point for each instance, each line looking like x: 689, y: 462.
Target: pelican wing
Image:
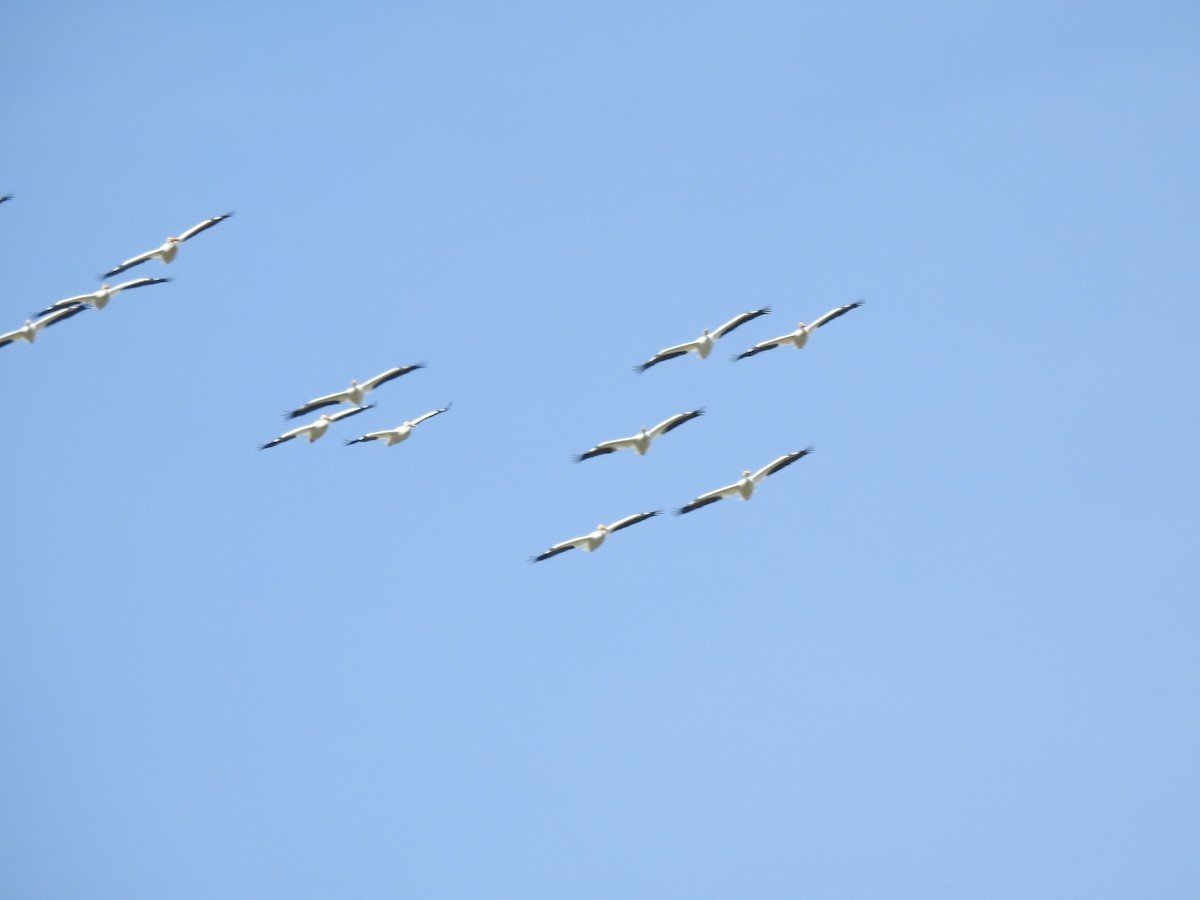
x: 430, y: 415
x: 607, y: 447
x: 674, y: 422
x: 371, y: 383
x: 68, y: 301
x: 203, y: 226
x: 762, y: 347
x: 561, y: 547
x: 632, y: 520
x: 286, y: 436
x: 59, y: 315
x: 595, y: 451
x: 834, y: 313
x: 711, y: 497
x: 319, y: 403
x: 664, y: 355
x: 9, y: 337
x: 739, y: 320
x: 775, y: 465
x: 347, y: 413
x: 6, y: 197
x: 137, y: 283
x: 130, y: 263
x: 373, y: 436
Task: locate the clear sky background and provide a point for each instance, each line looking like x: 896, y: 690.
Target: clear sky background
x: 951, y: 654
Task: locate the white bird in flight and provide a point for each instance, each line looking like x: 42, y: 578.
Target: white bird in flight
x: 799, y: 337
x: 400, y: 433
x: 640, y: 441
x: 356, y: 393
x: 701, y: 346
x: 590, y: 542
x: 315, y: 429
x: 31, y: 329
x: 169, y: 248
x: 100, y: 298
x: 743, y: 488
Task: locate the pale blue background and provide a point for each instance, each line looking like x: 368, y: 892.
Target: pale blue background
x: 952, y: 654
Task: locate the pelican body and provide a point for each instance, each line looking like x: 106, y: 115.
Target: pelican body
x: 640, y: 441
x: 398, y: 434
x: 703, y: 345
x: 315, y: 429
x: 744, y: 487
x: 33, y: 327
x: 799, y: 337
x: 592, y: 541
x: 355, y: 394
x: 169, y: 248
x: 99, y: 299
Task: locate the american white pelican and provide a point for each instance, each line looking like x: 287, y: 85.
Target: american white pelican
x: 100, y: 298
x: 315, y: 429
x: 744, y: 486
x: 590, y: 542
x: 356, y: 393
x: 30, y: 330
x: 640, y: 441
x: 399, y: 433
x: 169, y: 248
x: 799, y: 337
x: 701, y: 346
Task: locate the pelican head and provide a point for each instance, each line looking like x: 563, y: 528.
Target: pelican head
x: 745, y: 473
x: 326, y: 418
x: 602, y: 527
x: 172, y: 240
x: 104, y: 287
x: 407, y: 425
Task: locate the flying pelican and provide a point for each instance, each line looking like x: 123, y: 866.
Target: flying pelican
x: 100, y: 298
x: 398, y: 434
x: 744, y: 486
x: 701, y: 346
x: 640, y: 441
x: 169, y: 248
x: 590, y: 542
x: 316, y: 428
x: 30, y: 330
x: 356, y: 393
x: 799, y: 337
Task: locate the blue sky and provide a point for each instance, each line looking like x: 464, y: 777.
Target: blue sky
x: 950, y: 654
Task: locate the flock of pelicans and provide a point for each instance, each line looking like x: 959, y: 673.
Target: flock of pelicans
x: 355, y: 395
x: 744, y: 487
